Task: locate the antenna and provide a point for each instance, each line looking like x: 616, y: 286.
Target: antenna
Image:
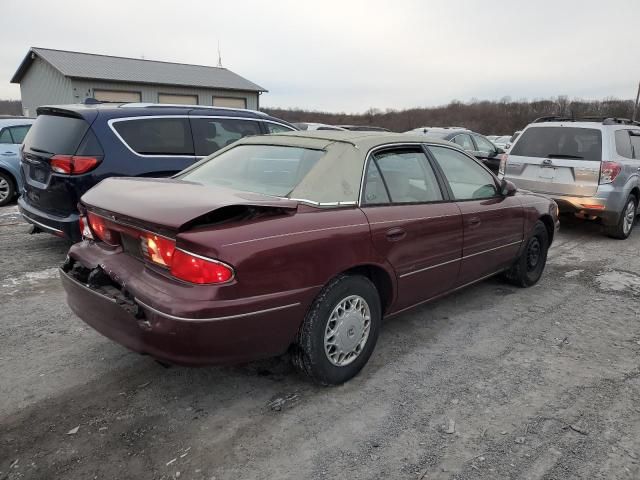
x: 219, y: 56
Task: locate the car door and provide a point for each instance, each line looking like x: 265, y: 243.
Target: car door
x: 493, y: 223
x: 413, y: 223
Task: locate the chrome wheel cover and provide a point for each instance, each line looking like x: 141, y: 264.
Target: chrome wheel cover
x: 347, y: 330
x: 4, y: 189
x: 629, y: 217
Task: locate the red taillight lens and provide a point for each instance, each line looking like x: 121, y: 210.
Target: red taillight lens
x: 199, y: 270
x: 85, y: 230
x: 609, y: 171
x: 503, y: 164
x: 73, y: 164
x: 102, y: 231
x: 158, y: 249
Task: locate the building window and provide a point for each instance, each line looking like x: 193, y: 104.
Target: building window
x: 116, y: 96
x: 177, y: 99
x: 230, y: 102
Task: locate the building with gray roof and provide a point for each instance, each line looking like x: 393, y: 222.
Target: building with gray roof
x: 57, y: 77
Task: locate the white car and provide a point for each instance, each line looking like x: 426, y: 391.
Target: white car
x: 316, y: 126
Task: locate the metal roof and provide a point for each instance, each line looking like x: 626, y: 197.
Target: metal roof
x: 135, y: 70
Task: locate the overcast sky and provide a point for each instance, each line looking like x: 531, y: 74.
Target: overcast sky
x: 352, y: 55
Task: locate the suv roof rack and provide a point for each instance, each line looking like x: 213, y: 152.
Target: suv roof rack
x: 603, y: 120
x: 182, y: 105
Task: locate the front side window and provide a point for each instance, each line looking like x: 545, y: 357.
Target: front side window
x: 212, y: 134
x: 464, y: 141
x: 623, y: 143
x: 484, y: 146
x: 5, y: 136
x: 276, y: 128
x: 18, y: 133
x: 407, y: 176
x: 157, y: 136
x: 571, y: 143
x: 467, y: 179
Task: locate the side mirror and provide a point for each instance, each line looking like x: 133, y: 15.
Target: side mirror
x: 507, y: 188
x: 499, y: 151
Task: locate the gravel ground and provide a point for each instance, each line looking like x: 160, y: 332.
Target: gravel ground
x: 492, y: 382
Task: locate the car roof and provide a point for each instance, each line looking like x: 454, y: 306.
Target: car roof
x: 592, y: 125
x: 322, y: 138
x: 15, y: 121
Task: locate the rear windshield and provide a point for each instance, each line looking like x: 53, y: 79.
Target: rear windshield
x: 267, y: 169
x: 55, y: 134
x: 560, y: 142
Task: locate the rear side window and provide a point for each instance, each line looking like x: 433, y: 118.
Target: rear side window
x: 18, y: 133
x: 212, y: 134
x: 560, y: 142
x: 157, y: 136
x: 623, y: 143
x: 635, y: 144
x: 55, y: 134
x: 5, y: 136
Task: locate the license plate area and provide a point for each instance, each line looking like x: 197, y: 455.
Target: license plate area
x: 548, y: 173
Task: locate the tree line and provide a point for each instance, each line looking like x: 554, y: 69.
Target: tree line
x: 487, y: 117
x: 10, y: 107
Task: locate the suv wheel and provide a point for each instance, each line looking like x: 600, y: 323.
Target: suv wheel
x: 339, y: 331
x: 622, y: 230
x: 528, y: 268
x: 7, y: 189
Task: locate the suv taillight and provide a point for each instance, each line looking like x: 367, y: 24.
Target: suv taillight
x: 503, y: 164
x: 609, y: 171
x: 73, y: 164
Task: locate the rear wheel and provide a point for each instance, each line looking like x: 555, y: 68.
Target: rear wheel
x: 528, y: 268
x: 623, y: 228
x: 7, y: 189
x: 339, y: 331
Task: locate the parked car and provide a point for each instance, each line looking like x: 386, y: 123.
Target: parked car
x: 589, y: 167
x: 12, y: 132
x: 471, y: 142
x: 281, y: 243
x: 364, y: 128
x: 502, y: 141
x: 315, y: 126
x: 73, y: 147
x: 492, y: 137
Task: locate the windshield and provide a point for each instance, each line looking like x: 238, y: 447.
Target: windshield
x: 560, y: 142
x: 503, y: 139
x: 267, y: 169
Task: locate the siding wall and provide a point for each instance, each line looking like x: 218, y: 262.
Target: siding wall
x: 44, y: 85
x: 84, y: 88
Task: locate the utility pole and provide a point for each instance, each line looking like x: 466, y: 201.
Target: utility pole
x: 635, y: 105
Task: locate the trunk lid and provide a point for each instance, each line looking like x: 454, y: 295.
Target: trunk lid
x: 169, y: 204
x: 557, y: 160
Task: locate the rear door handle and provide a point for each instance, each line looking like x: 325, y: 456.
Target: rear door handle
x: 6, y: 154
x: 396, y: 234
x: 474, y: 221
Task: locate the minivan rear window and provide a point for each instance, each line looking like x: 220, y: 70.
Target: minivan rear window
x: 156, y: 136
x: 55, y: 134
x: 570, y: 143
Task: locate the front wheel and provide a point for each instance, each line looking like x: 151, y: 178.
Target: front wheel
x: 339, y: 331
x: 623, y: 228
x: 528, y: 268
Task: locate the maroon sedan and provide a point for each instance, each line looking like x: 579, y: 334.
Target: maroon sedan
x: 301, y: 241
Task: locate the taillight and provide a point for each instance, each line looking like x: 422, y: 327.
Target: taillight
x: 85, y: 230
x: 73, y: 164
x: 157, y: 249
x: 609, y: 171
x: 503, y: 164
x: 196, y: 269
x: 99, y: 227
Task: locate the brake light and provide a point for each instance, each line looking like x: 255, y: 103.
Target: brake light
x: 196, y: 269
x: 609, y: 171
x: 73, y: 164
x: 157, y: 249
x: 99, y: 227
x: 503, y: 164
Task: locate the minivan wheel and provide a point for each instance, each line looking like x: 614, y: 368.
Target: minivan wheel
x: 7, y: 189
x: 623, y: 228
x: 340, y: 331
x: 528, y: 268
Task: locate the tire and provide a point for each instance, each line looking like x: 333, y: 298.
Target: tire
x: 528, y: 268
x: 7, y: 189
x: 323, y: 362
x: 623, y: 228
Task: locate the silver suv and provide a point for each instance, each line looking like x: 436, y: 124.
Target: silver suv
x: 588, y: 166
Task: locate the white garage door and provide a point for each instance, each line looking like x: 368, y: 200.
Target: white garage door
x: 230, y: 102
x: 178, y: 99
x: 116, y: 96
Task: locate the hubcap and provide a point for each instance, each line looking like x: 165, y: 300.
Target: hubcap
x: 347, y: 330
x: 629, y: 216
x: 4, y: 189
x: 533, y: 254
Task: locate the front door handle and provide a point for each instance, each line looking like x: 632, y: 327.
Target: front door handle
x: 474, y: 221
x: 396, y: 234
x: 6, y: 154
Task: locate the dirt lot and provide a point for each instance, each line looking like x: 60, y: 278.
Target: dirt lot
x: 492, y: 382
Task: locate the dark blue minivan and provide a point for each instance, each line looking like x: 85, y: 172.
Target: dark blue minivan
x: 70, y: 148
